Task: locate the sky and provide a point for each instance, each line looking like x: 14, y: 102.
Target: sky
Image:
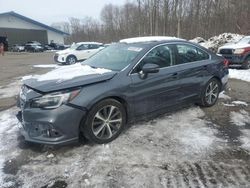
x: 52, y: 11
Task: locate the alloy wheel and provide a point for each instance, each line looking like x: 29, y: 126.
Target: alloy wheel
x: 212, y: 92
x: 72, y: 60
x: 107, y: 122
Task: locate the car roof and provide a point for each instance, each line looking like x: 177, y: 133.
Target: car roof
x: 90, y: 43
x: 150, y: 39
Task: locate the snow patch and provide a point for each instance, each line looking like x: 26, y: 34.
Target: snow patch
x: 222, y: 95
x: 240, y: 103
x: 46, y: 66
x: 240, y: 118
x: 198, y: 40
x: 10, y: 90
x: 148, y: 39
x: 240, y: 74
x: 230, y: 105
x: 176, y: 138
x: 69, y: 72
x: 8, y: 141
x: 245, y: 139
x: 215, y: 42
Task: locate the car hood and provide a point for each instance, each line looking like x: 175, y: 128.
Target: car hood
x: 235, y: 46
x: 68, y: 77
x: 68, y: 50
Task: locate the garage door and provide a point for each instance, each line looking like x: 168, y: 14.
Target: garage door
x: 21, y: 36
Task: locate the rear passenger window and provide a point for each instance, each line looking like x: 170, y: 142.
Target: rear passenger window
x: 188, y: 53
x: 93, y: 46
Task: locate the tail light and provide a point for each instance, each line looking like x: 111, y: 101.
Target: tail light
x: 226, y: 63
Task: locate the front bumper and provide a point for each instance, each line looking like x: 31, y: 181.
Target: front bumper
x: 53, y: 127
x: 59, y: 58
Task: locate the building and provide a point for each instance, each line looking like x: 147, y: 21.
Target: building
x: 19, y: 29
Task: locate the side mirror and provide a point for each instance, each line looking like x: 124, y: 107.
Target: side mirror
x: 150, y: 68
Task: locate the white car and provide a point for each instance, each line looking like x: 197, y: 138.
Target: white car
x: 78, y: 51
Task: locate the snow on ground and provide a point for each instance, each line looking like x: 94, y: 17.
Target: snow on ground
x: 245, y: 139
x: 240, y: 74
x: 236, y: 103
x: 8, y: 141
x: 240, y: 118
x: 240, y: 103
x: 215, y: 42
x: 140, y: 151
x: 70, y: 72
x: 222, y: 95
x: 10, y: 90
x: 46, y: 66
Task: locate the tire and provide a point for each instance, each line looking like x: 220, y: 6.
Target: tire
x: 210, y: 93
x: 246, y: 64
x: 71, y: 60
x: 98, y: 127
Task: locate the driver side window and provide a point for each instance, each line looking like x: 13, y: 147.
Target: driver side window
x: 161, y: 56
x: 82, y: 47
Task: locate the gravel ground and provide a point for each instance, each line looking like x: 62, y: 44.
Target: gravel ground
x: 190, y: 147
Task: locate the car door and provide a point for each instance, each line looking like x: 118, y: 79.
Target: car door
x: 81, y: 52
x: 192, y: 63
x: 156, y: 90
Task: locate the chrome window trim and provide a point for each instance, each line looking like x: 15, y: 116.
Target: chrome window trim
x: 176, y: 43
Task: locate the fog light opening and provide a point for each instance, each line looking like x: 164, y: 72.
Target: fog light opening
x: 48, y: 133
x: 52, y: 133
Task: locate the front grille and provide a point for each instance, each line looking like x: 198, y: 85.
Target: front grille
x: 226, y: 51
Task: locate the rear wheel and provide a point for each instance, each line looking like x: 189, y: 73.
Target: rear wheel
x: 210, y: 93
x: 246, y: 65
x: 105, y: 121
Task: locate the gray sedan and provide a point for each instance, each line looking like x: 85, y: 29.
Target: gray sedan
x: 131, y: 79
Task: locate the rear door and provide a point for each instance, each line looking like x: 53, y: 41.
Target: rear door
x: 193, y: 64
x: 157, y: 90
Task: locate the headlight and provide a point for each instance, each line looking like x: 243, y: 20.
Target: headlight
x: 239, y: 51
x: 53, y: 100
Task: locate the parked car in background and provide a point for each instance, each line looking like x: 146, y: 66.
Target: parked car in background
x: 57, y: 46
x: 77, y: 51
x: 33, y: 48
x: 238, y: 54
x: 47, y: 47
x: 134, y: 78
x: 34, y: 43
x: 17, y: 48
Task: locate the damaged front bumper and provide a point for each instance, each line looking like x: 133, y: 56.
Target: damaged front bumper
x: 53, y: 127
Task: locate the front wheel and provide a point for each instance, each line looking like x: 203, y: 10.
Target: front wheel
x: 210, y: 93
x: 71, y: 60
x: 105, y: 121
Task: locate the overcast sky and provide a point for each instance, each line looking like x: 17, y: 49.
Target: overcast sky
x: 50, y: 11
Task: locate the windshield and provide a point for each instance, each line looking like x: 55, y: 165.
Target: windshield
x: 245, y: 40
x: 74, y: 46
x: 115, y: 57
